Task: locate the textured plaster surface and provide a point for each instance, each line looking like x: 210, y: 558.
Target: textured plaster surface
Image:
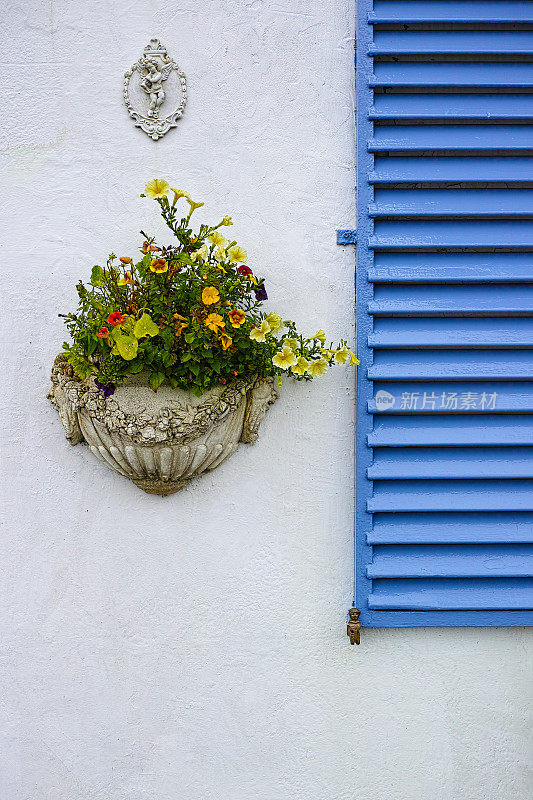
x: 193, y: 647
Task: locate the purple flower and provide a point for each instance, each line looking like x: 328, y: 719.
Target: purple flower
x: 261, y: 293
x: 107, y: 388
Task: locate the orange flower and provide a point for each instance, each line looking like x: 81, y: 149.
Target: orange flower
x: 150, y: 248
x: 225, y: 341
x: 125, y: 260
x: 181, y: 324
x: 210, y: 295
x: 159, y: 265
x: 237, y: 317
x: 115, y: 318
x: 103, y: 333
x: 214, y: 322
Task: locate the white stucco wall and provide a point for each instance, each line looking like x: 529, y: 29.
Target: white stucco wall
x: 193, y: 647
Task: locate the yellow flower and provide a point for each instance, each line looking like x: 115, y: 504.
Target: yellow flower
x: 327, y: 354
x: 125, y: 280
x: 193, y: 205
x: 275, y: 321
x: 210, y: 295
x: 217, y: 239
x: 237, y: 254
x: 214, y: 322
x: 179, y: 193
x: 353, y: 359
x: 157, y: 188
x: 227, y: 221
x: 159, y: 265
x: 237, y: 317
x: 342, y: 355
x: 200, y: 254
x: 292, y: 343
x: 220, y: 254
x: 285, y: 358
x: 317, y: 366
x: 321, y: 336
x: 181, y: 324
x: 301, y: 366
x: 258, y: 334
x: 225, y: 341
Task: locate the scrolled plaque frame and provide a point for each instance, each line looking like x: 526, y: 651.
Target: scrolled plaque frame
x: 153, y: 69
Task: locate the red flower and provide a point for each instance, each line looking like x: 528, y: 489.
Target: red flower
x: 103, y: 333
x: 115, y: 318
x: 244, y: 270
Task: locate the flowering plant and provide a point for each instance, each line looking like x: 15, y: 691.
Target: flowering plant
x: 188, y: 313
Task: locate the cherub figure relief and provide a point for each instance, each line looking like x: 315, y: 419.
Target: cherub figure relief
x: 152, y: 83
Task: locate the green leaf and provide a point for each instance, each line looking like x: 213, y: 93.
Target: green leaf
x: 156, y: 379
x: 190, y: 337
x: 126, y: 346
x: 97, y: 276
x: 135, y: 367
x: 145, y: 326
x: 92, y: 343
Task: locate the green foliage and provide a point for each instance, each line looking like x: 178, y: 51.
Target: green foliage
x: 187, y: 313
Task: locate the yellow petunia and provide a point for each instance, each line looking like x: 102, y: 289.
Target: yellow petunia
x: 225, y: 341
x: 200, y: 254
x: 237, y: 254
x: 275, y: 321
x: 210, y: 295
x: 342, y: 355
x: 193, y: 205
x: 292, y: 343
x: 220, y: 254
x: 214, y: 322
x: 217, y: 239
x: 227, y: 221
x: 321, y: 336
x: 258, y: 334
x: 157, y: 188
x: 179, y: 193
x: 317, y: 366
x: 327, y: 354
x: 353, y: 359
x: 301, y: 366
x: 285, y: 358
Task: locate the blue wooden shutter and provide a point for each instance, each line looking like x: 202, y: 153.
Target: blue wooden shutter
x: 445, y: 313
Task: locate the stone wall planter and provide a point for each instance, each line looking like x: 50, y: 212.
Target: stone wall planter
x: 160, y: 440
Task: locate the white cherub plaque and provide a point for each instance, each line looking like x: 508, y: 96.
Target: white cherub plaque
x: 155, y: 91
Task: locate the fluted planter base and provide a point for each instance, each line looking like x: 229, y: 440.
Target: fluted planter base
x: 162, y: 488
x: 160, y: 441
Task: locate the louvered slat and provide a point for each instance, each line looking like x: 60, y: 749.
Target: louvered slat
x: 477, y: 11
x: 449, y: 138
x: 457, y: 74
x: 445, y: 312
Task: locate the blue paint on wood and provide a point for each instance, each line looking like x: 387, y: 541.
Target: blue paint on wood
x: 444, y: 514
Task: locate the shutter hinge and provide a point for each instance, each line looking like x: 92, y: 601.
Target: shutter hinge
x: 346, y: 237
x: 353, y: 629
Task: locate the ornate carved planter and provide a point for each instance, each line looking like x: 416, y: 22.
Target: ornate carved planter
x: 159, y: 440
